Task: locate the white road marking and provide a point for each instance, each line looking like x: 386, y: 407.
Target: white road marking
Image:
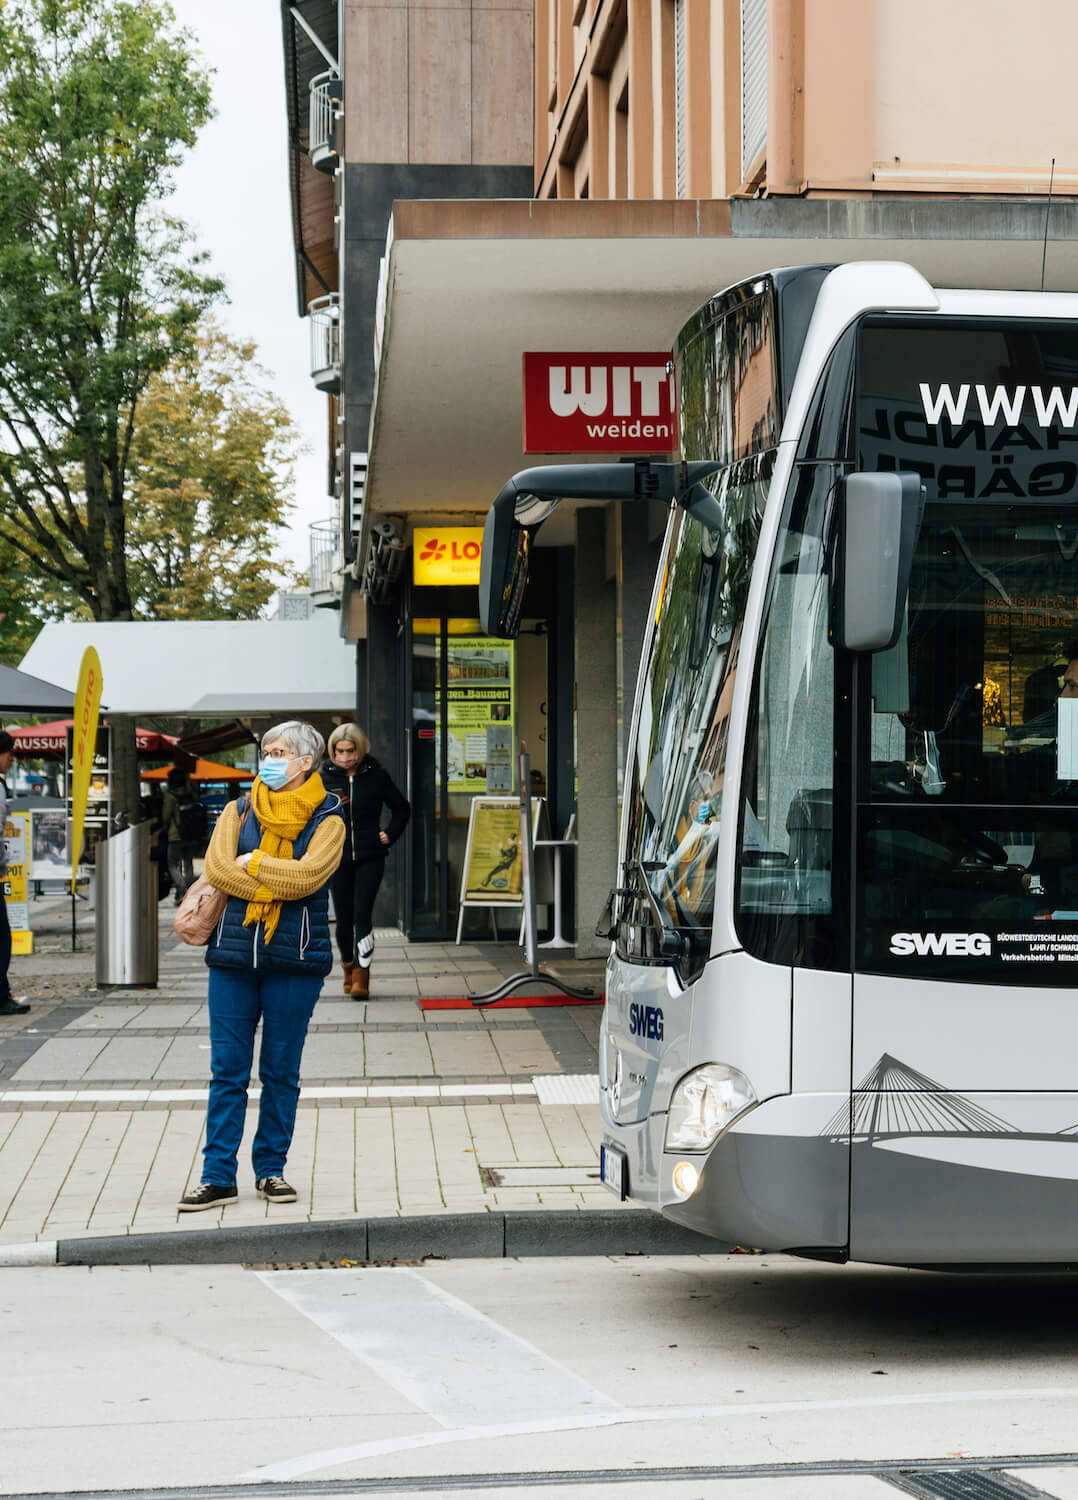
x: 443, y: 1354
x: 315, y: 1091
x: 332, y: 1458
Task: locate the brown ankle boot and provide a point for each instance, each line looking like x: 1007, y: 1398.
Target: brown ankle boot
x: 348, y: 968
x: 361, y: 982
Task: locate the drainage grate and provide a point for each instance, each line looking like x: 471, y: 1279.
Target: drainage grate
x: 964, y: 1484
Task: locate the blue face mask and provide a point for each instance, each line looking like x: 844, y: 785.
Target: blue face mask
x: 274, y: 771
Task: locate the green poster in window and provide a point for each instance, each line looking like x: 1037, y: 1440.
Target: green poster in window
x: 479, y: 714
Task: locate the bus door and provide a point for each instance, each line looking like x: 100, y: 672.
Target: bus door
x: 791, y: 900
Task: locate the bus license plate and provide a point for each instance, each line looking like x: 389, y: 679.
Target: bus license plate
x: 614, y: 1170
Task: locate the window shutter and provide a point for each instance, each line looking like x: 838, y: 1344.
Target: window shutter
x: 753, y: 83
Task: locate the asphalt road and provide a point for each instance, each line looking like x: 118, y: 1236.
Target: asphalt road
x: 739, y: 1376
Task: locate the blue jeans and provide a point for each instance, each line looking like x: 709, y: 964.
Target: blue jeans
x: 285, y: 1002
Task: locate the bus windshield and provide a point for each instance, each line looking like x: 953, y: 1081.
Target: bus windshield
x: 967, y: 732
x: 684, y: 716
x: 729, y: 411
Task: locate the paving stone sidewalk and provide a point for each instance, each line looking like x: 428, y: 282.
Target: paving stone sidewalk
x: 403, y: 1110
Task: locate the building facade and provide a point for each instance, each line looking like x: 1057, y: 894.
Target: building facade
x: 471, y: 183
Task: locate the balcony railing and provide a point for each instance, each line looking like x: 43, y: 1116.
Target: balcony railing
x: 326, y: 561
x: 325, y: 316
x: 327, y: 96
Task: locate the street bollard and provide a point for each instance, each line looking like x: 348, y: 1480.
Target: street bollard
x: 126, y: 909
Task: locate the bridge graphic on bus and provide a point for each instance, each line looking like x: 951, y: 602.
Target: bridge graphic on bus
x: 894, y: 1101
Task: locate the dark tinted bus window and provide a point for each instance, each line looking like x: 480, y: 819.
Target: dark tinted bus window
x: 967, y: 837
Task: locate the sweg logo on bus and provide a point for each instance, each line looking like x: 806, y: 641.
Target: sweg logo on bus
x: 938, y: 944
x: 646, y: 1021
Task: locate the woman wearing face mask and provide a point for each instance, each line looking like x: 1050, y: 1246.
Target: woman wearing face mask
x: 365, y: 789
x: 274, y: 858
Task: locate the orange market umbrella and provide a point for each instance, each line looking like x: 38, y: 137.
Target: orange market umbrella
x: 205, y: 770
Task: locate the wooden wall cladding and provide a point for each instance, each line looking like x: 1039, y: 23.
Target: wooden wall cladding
x: 444, y: 82
x: 376, y: 81
x: 502, y: 86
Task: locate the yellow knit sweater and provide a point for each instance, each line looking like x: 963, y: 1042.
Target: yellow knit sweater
x: 286, y: 879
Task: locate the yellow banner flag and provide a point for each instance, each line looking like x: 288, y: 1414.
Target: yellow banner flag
x: 83, y: 741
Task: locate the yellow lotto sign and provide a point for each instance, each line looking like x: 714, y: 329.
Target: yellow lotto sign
x: 83, y: 741
x: 446, y: 554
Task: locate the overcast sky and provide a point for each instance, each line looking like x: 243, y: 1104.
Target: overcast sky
x: 233, y: 191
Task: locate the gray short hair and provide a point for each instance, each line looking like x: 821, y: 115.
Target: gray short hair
x: 301, y: 738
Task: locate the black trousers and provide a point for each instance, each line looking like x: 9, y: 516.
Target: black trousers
x: 354, y: 890
x: 5, y: 949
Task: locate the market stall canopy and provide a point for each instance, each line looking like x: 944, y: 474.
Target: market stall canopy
x: 49, y: 741
x: 205, y: 770
x: 228, y: 736
x: 22, y: 694
x: 207, y: 668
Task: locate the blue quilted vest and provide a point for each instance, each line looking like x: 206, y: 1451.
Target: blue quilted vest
x: 301, y: 943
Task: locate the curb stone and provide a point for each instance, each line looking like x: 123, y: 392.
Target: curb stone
x: 34, y: 1253
x: 445, y: 1236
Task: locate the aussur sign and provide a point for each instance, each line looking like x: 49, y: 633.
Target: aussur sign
x: 599, y: 403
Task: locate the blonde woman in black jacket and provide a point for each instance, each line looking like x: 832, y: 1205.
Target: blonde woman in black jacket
x: 367, y: 791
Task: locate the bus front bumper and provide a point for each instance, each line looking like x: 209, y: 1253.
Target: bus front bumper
x: 765, y: 1184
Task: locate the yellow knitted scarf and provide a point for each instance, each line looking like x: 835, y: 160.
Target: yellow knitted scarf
x: 282, y: 817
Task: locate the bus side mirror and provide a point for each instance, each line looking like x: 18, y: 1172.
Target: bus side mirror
x: 503, y: 569
x: 524, y: 503
x: 879, y: 521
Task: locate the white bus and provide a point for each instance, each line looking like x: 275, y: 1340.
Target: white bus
x: 842, y: 995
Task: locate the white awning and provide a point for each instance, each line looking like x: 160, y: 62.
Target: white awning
x: 471, y: 285
x: 206, y: 668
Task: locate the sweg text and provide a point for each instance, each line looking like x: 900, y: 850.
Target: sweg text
x: 646, y: 1021
x: 953, y: 944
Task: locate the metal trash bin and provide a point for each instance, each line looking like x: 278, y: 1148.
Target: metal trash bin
x: 126, y: 909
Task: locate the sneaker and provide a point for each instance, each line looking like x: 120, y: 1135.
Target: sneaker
x: 13, y: 1008
x: 207, y: 1195
x: 275, y: 1190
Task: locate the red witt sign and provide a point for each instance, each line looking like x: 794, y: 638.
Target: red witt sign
x: 599, y: 403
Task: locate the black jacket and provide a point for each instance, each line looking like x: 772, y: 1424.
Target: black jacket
x: 363, y: 795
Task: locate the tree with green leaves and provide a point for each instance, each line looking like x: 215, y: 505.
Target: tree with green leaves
x: 212, y: 467
x: 27, y: 602
x: 100, y: 289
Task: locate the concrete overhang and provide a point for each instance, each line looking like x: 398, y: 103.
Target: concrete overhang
x: 471, y: 285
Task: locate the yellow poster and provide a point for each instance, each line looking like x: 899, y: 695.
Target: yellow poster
x: 479, y: 713
x: 493, y: 870
x: 84, y: 742
x: 16, y: 831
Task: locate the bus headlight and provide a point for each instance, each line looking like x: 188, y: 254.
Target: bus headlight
x: 703, y: 1104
